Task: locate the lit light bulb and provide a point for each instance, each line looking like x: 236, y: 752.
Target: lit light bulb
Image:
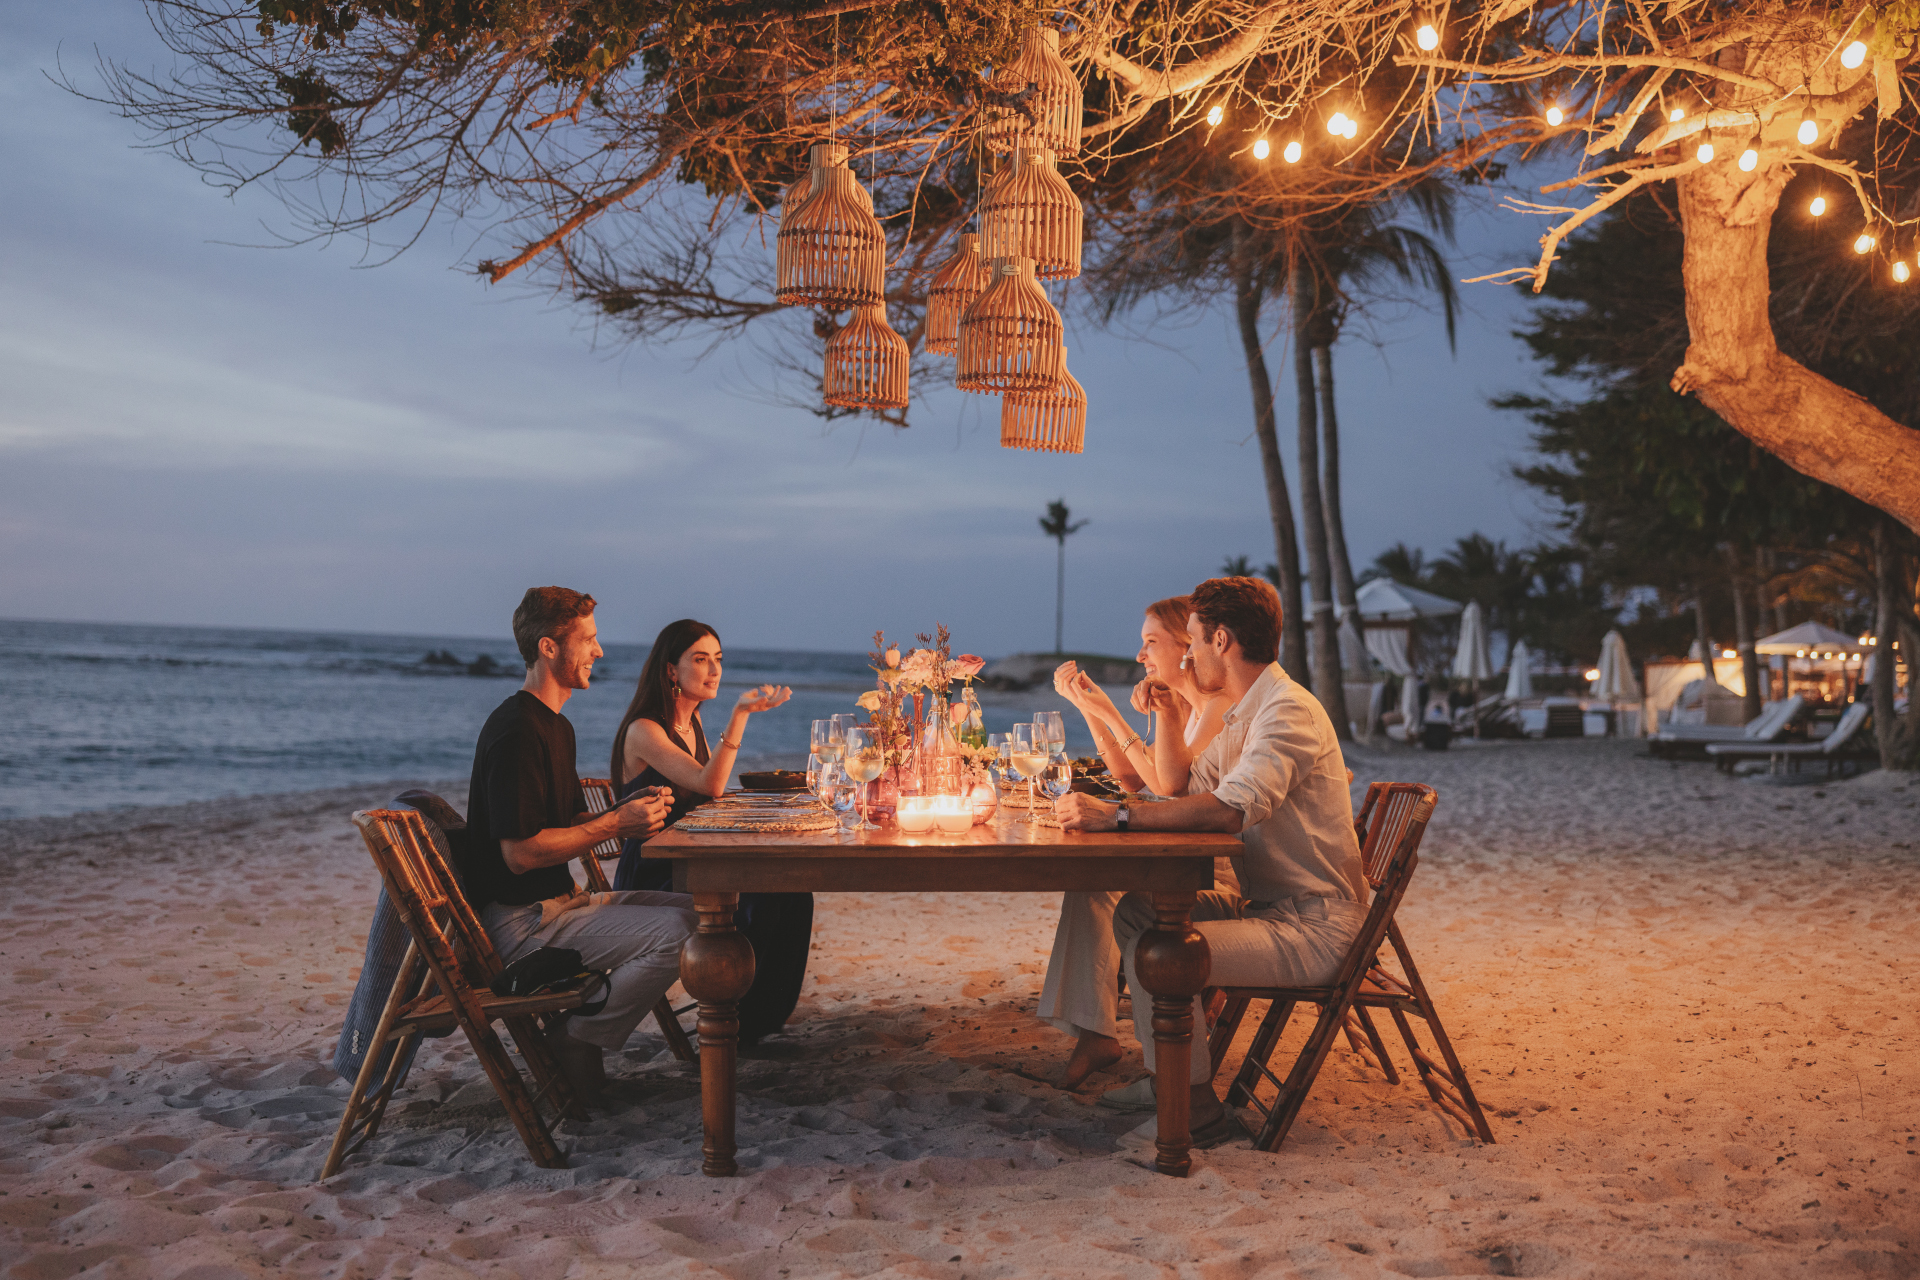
x: 1818, y: 207
x: 1676, y: 115
x: 1862, y: 243
x: 1554, y: 115
x: 1900, y: 273
x: 1291, y: 153
x: 1260, y: 149
x: 1426, y: 37
x: 1853, y: 55
x: 1352, y: 130
x: 1749, y: 160
x: 1705, y: 154
x: 1215, y: 116
x: 1809, y: 131
x: 1337, y: 124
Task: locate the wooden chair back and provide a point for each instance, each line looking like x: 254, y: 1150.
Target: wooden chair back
x: 1382, y: 822
x: 600, y: 798
x: 422, y: 888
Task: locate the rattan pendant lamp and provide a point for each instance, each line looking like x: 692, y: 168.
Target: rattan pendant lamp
x: 867, y: 363
x: 1010, y: 336
x: 831, y: 251
x: 1029, y: 211
x: 960, y: 279
x: 1050, y: 421
x: 1055, y: 101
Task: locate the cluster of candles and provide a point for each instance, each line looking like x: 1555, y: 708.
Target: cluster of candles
x: 949, y: 814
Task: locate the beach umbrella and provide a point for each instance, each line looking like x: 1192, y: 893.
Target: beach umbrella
x: 1616, y: 682
x: 1410, y: 703
x: 1520, y: 672
x: 1470, y: 660
x: 1384, y: 601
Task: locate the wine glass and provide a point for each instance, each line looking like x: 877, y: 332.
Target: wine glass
x: 828, y: 740
x: 1056, y: 729
x: 1056, y: 779
x: 841, y: 794
x: 843, y: 721
x: 1028, y: 755
x: 863, y: 761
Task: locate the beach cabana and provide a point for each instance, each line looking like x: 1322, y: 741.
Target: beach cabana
x: 1816, y: 661
x: 1388, y: 613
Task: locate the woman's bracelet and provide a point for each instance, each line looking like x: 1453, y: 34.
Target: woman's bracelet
x: 1129, y: 743
x: 731, y: 746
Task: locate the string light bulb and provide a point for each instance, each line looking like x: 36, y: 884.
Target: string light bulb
x: 1427, y: 38
x: 1676, y: 115
x: 1818, y: 207
x: 1749, y: 160
x: 1215, y: 116
x: 1809, y: 131
x: 1260, y: 149
x: 1705, y: 154
x: 1291, y: 153
x: 1337, y: 124
x: 1352, y: 130
x: 1555, y: 115
x: 1854, y: 54
x: 1900, y: 272
x: 1862, y: 242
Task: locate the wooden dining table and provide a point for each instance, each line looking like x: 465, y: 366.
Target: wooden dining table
x: 1008, y: 856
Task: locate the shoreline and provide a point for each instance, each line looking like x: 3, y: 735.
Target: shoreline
x: 1688, y: 1002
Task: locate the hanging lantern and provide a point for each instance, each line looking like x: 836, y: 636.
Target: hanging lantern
x: 1055, y: 100
x: 831, y: 251
x: 867, y: 363
x: 1029, y: 211
x: 1051, y: 421
x: 1010, y: 336
x: 960, y: 280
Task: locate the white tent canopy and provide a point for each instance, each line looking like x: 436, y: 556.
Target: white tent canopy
x: 1520, y: 672
x: 1807, y: 639
x: 1386, y: 601
x: 1470, y: 659
x: 1388, y: 647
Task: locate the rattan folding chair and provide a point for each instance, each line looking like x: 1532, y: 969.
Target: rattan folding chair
x: 599, y: 793
x: 1390, y: 806
x: 1335, y: 1001
x: 452, y: 949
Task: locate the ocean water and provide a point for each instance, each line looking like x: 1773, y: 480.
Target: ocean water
x: 102, y: 716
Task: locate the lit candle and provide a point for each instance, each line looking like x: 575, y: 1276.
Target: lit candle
x: 914, y: 815
x: 952, y: 814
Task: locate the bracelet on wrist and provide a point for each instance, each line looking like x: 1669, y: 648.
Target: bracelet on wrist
x: 731, y: 746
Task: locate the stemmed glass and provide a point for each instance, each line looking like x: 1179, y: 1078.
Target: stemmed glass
x: 1055, y: 727
x: 1028, y: 754
x: 840, y: 794
x: 828, y: 742
x: 1056, y: 779
x: 863, y: 761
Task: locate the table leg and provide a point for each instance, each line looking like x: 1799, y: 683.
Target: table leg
x: 716, y: 967
x: 1173, y: 962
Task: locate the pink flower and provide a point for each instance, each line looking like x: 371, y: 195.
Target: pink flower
x: 893, y: 657
x: 967, y: 665
x: 958, y: 712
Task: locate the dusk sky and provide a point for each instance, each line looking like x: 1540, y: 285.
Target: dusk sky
x: 198, y: 431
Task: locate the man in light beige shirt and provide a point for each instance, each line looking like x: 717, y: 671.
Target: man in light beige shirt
x: 1275, y: 777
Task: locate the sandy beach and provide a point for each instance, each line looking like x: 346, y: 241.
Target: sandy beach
x: 1689, y: 998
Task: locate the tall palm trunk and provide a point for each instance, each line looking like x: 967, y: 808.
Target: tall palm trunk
x: 1327, y: 684
x: 1344, y: 591
x: 1248, y: 296
x: 1744, y: 637
x: 1761, y: 573
x: 1886, y: 589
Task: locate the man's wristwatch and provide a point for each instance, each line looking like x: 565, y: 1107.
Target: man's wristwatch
x: 1120, y: 818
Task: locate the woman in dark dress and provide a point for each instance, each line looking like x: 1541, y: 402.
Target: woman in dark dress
x: 661, y: 743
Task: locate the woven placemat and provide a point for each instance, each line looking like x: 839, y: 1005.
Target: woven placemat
x: 788, y: 824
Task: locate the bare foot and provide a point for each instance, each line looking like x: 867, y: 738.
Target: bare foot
x: 1093, y: 1052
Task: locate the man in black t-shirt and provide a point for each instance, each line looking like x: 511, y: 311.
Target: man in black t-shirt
x: 526, y: 820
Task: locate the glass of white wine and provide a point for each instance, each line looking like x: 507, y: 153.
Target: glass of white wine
x: 1028, y: 746
x: 1056, y: 729
x: 1056, y: 779
x: 863, y: 761
x: 828, y: 742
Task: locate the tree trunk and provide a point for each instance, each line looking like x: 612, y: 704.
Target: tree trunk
x: 1060, y: 598
x: 1763, y: 570
x: 1886, y: 587
x: 1700, y: 635
x: 1734, y: 365
x: 1344, y: 591
x: 1247, y: 300
x: 1327, y: 684
x: 1910, y: 649
x: 1744, y: 638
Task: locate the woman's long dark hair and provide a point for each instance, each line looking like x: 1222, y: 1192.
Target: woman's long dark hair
x: 653, y: 699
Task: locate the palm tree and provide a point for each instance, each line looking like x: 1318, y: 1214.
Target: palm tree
x: 1059, y: 525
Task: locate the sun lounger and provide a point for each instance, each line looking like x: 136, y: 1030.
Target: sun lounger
x: 1788, y: 755
x: 1765, y: 727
